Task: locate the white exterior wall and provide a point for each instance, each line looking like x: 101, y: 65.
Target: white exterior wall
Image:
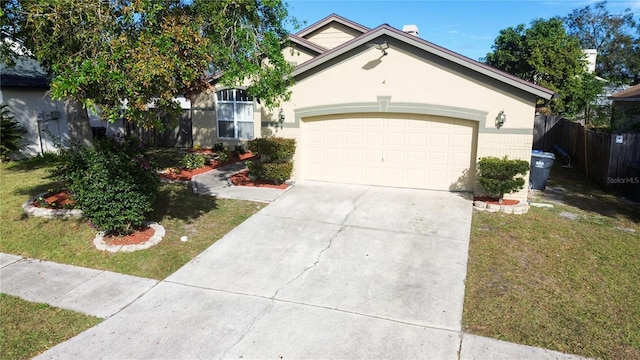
x: 29, y: 106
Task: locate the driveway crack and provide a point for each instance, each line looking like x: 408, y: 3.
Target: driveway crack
x: 354, y: 203
x: 250, y: 327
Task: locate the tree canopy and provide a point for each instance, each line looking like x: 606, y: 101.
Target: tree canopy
x: 544, y: 54
x: 612, y: 35
x: 143, y: 53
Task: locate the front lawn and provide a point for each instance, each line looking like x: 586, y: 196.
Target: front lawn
x: 30, y: 328
x: 563, y: 278
x: 203, y: 219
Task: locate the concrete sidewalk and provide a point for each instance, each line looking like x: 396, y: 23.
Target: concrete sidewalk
x: 92, y: 292
x: 216, y: 183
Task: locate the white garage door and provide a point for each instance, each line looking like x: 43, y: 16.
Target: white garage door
x: 425, y: 152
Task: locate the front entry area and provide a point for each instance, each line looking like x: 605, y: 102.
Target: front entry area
x: 399, y: 150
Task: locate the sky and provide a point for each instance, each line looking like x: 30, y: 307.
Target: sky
x: 468, y: 27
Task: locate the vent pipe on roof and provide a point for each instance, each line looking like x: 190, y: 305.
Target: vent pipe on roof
x: 410, y: 29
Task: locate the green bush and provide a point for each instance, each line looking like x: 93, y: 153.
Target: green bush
x: 11, y: 133
x: 223, y: 157
x: 193, y: 161
x: 277, y: 172
x: 239, y: 150
x: 498, y: 175
x: 114, y: 183
x: 273, y: 148
x: 218, y: 147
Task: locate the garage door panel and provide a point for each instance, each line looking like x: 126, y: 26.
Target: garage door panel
x: 416, y: 151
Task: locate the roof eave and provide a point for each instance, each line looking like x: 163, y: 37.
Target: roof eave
x: 333, y: 17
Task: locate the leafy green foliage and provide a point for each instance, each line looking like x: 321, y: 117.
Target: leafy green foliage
x: 273, y: 148
x: 275, y: 154
x: 218, y: 147
x: 239, y: 150
x: 193, y: 161
x: 11, y: 133
x: 543, y: 54
x: 113, y: 183
x: 148, y: 52
x: 498, y: 175
x: 278, y: 172
x: 612, y: 35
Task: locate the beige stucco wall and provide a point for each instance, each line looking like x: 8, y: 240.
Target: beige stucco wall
x: 332, y: 35
x: 403, y: 78
x: 296, y: 56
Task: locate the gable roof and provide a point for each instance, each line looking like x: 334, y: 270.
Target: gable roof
x: 629, y: 94
x: 307, y: 44
x: 328, y: 20
x: 386, y: 30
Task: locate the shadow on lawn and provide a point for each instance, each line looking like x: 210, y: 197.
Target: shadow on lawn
x: 571, y: 187
x: 178, y: 201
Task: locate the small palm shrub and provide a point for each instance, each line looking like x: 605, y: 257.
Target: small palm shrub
x: 11, y: 133
x: 193, y: 161
x: 275, y: 162
x: 499, y: 176
x: 114, y: 183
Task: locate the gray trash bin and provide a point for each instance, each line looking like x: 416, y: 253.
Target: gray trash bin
x: 541, y: 163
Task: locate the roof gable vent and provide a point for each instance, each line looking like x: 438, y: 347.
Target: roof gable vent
x: 410, y: 29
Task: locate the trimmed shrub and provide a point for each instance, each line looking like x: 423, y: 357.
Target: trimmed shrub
x: 193, y: 161
x: 498, y: 176
x: 218, y: 147
x: 239, y: 150
x: 273, y: 148
x: 11, y: 133
x: 275, y: 158
x: 277, y: 172
x: 114, y: 183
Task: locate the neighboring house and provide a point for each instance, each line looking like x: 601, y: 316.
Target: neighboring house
x: 23, y: 88
x: 49, y: 123
x: 382, y: 107
x: 626, y: 109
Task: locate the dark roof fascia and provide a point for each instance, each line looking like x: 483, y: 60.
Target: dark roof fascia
x: 329, y: 19
x: 430, y: 48
x: 23, y: 82
x: 629, y: 94
x: 307, y: 44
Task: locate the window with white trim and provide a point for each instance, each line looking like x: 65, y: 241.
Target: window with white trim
x: 234, y: 112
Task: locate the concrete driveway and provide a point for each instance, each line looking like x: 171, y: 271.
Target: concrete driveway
x: 325, y: 271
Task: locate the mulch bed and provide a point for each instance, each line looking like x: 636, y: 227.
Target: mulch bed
x: 137, y: 237
x: 494, y: 200
x: 62, y: 200
x: 242, y: 179
x: 186, y: 175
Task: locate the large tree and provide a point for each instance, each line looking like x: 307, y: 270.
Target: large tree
x: 612, y: 35
x: 543, y: 54
x: 106, y: 53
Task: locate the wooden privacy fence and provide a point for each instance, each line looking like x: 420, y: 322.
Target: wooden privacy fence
x: 174, y: 134
x: 604, y: 157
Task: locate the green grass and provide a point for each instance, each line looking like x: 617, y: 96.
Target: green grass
x: 564, y: 278
x: 28, y: 329
x: 203, y: 219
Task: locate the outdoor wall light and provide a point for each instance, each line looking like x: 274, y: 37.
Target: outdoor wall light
x: 501, y: 119
x: 281, y: 115
x: 383, y: 46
